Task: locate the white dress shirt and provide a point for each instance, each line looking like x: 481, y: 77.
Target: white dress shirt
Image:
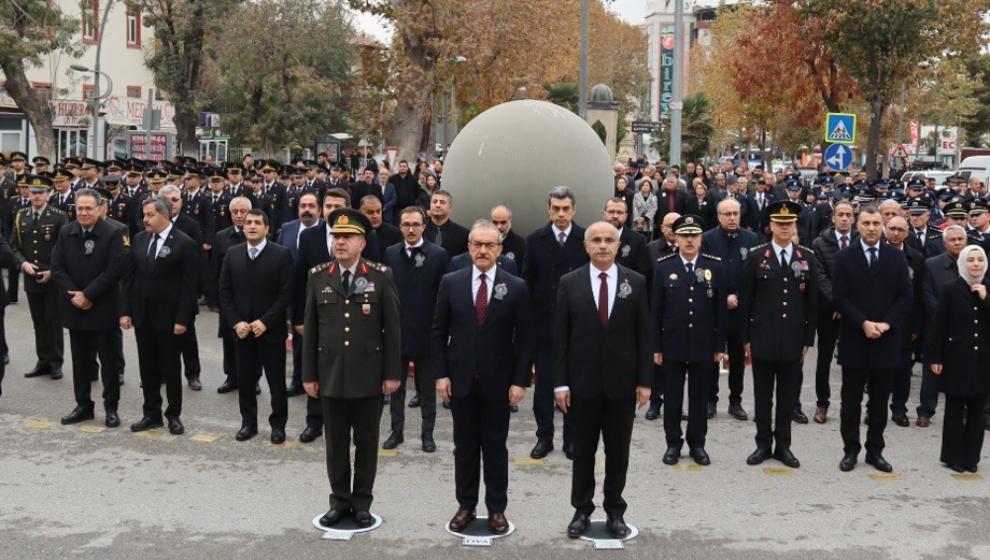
x: 259, y: 246
x: 866, y: 250
x: 557, y: 232
x: 409, y: 247
x: 777, y: 249
x: 329, y: 243
x: 161, y: 239
x: 476, y: 282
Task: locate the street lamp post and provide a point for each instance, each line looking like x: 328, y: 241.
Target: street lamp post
x: 448, y: 111
x: 583, y: 70
x: 97, y: 151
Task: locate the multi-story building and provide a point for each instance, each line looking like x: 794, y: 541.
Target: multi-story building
x: 125, y: 43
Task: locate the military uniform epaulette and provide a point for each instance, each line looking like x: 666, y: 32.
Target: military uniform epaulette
x: 758, y: 247
x: 809, y: 249
x: 377, y: 266
x: 665, y: 257
x: 319, y: 267
x: 712, y: 257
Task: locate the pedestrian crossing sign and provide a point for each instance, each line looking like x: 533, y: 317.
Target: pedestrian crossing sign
x: 840, y: 128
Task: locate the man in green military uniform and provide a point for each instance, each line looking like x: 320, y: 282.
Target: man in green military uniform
x: 351, y: 356
x: 33, y: 239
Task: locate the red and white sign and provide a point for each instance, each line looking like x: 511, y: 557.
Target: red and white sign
x: 899, y: 151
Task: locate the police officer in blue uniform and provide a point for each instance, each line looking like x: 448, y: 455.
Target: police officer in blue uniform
x: 690, y: 310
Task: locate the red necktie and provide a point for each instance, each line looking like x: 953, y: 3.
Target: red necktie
x: 603, y: 299
x: 842, y: 242
x: 671, y: 202
x: 481, y: 301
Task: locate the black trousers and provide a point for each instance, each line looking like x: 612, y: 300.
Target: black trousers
x: 928, y: 399
x: 85, y: 347
x: 737, y: 370
x: 828, y: 335
x: 158, y: 359
x: 543, y: 401
x: 426, y: 388
x: 901, y: 387
x: 656, y: 392
x: 228, y: 339
x: 613, y: 419
x: 47, y: 328
x: 268, y: 351
x: 4, y: 349
x: 481, y: 427
x: 698, y: 379
x: 13, y: 281
x: 767, y: 374
x: 190, y: 352
x: 963, y: 429
x: 341, y: 417
x: 854, y: 382
x: 297, y: 352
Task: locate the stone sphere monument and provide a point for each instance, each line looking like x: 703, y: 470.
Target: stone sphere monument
x: 514, y: 153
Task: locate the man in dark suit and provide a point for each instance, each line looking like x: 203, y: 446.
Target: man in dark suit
x: 871, y: 290
x: 777, y: 306
x: 669, y: 199
x: 513, y: 245
x: 159, y: 300
x: 315, y: 248
x: 89, y: 259
x: 481, y: 358
x: 551, y: 251
x: 352, y: 356
x: 417, y: 266
x: 273, y: 195
x: 226, y: 238
x: 632, y: 245
x: 255, y: 289
x: 732, y: 245
x: 924, y: 237
x: 441, y: 230
x: 388, y: 235
x: 939, y: 270
x: 308, y: 208
x: 406, y: 186
x: 690, y: 310
x: 6, y: 259
x: 895, y: 233
x: 189, y: 226
x: 602, y: 368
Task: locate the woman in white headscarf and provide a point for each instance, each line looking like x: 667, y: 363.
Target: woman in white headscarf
x: 959, y: 351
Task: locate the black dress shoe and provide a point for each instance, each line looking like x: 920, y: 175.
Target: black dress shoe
x: 541, y: 449
x: 799, y: 416
x: 761, y: 454
x: 246, y: 433
x: 57, y: 373
x: 332, y: 517
x: 310, y: 434
x: 710, y: 411
x: 672, y: 456
x: 700, y: 456
x: 146, y: 423
x: 363, y: 519
x: 278, y: 436
x: 653, y: 412
x: 414, y: 401
x: 429, y: 446
x: 848, y: 462
x: 579, y: 525
x: 393, y: 440
x: 617, y: 527
x: 175, y: 427
x: 879, y: 463
x: 446, y: 405
x: 295, y: 390
x: 736, y: 411
x: 569, y: 450
x: 513, y: 408
x: 121, y: 379
x: 6, y: 359
x: 113, y: 420
x: 900, y: 419
x: 257, y: 388
x: 79, y: 414
x: 684, y: 416
x: 787, y: 458
x: 195, y: 384
x: 227, y: 387
x: 957, y: 468
x: 38, y: 371
x: 970, y: 468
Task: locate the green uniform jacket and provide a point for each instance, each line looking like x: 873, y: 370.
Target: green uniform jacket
x: 34, y: 240
x: 352, y: 340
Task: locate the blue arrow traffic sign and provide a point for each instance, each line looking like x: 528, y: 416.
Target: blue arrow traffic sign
x: 838, y: 156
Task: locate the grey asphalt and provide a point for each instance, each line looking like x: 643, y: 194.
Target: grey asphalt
x: 83, y: 492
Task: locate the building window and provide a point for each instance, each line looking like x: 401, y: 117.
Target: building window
x: 134, y: 92
x: 87, y: 92
x: 133, y: 25
x: 90, y: 20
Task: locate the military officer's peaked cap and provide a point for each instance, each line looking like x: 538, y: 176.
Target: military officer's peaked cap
x: 918, y: 206
x: 269, y: 165
x: 688, y: 224
x: 234, y: 167
x: 88, y: 163
x: 157, y: 176
x: 38, y: 183
x: 957, y: 209
x: 60, y: 173
x: 784, y: 211
x: 978, y: 206
x: 18, y: 156
x: 348, y: 220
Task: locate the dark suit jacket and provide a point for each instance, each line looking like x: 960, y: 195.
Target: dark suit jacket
x: 514, y: 247
x: 602, y: 361
x: 97, y: 274
x: 705, y: 209
x: 6, y: 259
x: 545, y: 262
x: 190, y: 227
x: 464, y: 261
x: 634, y: 254
x: 417, y: 280
x: 939, y: 270
x: 880, y: 293
x: 455, y: 236
x: 161, y: 293
x: 388, y: 235
x: 288, y: 238
x: 258, y: 289
x: 663, y: 203
x: 958, y: 339
x: 498, y: 351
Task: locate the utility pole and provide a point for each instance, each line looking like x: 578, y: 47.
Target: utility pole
x: 677, y: 102
x: 583, y: 74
